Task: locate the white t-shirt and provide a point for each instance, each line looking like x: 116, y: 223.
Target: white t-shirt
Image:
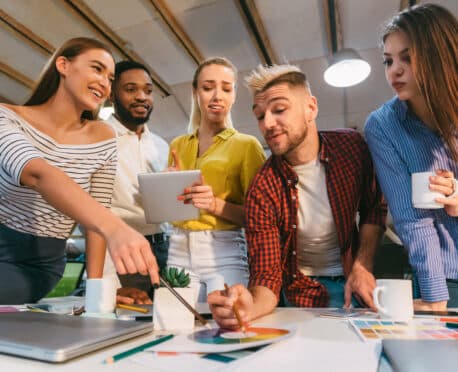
x: 318, y: 250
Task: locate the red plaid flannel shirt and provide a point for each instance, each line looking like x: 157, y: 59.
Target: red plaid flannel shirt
x: 271, y: 215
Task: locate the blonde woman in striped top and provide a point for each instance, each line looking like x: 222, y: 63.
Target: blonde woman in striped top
x: 57, y: 166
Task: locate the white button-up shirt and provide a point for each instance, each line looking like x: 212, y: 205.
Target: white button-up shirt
x: 147, y: 153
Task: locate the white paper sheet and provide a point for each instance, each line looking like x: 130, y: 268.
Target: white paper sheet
x: 300, y: 354
x: 174, y: 363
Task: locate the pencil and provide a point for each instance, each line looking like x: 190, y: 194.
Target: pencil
x: 236, y: 311
x: 183, y: 301
x: 36, y: 309
x: 139, y: 309
x: 137, y: 349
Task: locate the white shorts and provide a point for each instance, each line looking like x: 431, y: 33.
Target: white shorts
x: 212, y: 258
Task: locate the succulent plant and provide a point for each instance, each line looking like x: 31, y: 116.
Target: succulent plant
x: 175, y: 277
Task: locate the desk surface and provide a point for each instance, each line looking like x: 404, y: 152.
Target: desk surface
x: 317, y: 328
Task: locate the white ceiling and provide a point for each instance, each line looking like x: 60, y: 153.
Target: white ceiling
x: 296, y: 30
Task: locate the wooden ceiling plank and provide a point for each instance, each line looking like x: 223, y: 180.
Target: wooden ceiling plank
x: 255, y: 27
x: 403, y: 4
x: 168, y: 19
x: 3, y: 99
x: 26, y: 34
x: 101, y: 27
x: 16, y: 75
x: 327, y: 22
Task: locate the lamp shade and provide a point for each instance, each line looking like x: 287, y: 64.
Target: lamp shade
x: 346, y: 68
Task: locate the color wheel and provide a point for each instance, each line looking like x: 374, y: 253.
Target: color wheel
x: 220, y: 336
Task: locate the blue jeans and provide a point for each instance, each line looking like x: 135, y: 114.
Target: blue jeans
x: 335, y: 286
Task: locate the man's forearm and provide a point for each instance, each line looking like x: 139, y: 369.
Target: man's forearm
x: 369, y: 239
x: 264, y: 301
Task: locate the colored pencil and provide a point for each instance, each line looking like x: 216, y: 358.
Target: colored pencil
x: 236, y: 311
x: 139, y: 309
x: 137, y: 349
x: 183, y: 301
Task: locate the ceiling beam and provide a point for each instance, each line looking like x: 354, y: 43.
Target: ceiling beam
x: 327, y: 23
x: 86, y: 13
x: 16, y: 75
x: 333, y: 26
x: 255, y: 27
x: 407, y: 4
x: 11, y: 24
x: 169, y: 21
x: 3, y: 99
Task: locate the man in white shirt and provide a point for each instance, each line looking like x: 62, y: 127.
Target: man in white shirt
x: 139, y: 151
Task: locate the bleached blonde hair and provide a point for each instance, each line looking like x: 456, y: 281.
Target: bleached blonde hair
x: 264, y: 77
x: 196, y: 117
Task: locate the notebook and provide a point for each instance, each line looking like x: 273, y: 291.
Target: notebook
x: 422, y: 355
x: 159, y: 192
x: 57, y: 338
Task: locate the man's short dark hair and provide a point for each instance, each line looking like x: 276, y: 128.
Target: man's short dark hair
x: 124, y: 66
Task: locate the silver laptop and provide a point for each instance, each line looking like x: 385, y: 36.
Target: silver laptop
x: 57, y: 338
x: 159, y: 192
x: 422, y: 355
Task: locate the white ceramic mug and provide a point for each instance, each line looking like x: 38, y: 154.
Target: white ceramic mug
x: 101, y: 295
x: 393, y: 299
x: 422, y: 196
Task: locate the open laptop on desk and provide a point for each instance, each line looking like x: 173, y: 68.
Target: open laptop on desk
x: 57, y: 338
x: 422, y: 355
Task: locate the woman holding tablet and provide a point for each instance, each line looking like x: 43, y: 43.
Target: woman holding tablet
x: 417, y: 131
x: 213, y: 247
x: 57, y: 165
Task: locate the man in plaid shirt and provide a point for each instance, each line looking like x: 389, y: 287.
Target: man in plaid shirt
x: 301, y: 210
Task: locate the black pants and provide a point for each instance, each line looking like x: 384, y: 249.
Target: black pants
x: 30, y: 266
x: 160, y: 247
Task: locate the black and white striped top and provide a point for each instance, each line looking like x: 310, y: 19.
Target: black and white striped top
x: 92, y: 166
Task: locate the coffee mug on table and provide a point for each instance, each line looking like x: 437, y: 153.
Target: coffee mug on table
x: 422, y: 196
x: 101, y: 295
x: 393, y: 299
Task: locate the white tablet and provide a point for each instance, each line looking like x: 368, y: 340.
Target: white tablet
x: 159, y: 193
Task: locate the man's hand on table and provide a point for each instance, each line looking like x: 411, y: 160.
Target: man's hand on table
x: 361, y: 282
x: 222, y: 302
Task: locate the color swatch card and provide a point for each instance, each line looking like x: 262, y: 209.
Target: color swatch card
x: 417, y: 329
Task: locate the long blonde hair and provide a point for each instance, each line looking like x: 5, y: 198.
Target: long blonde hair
x: 432, y: 31
x: 196, y: 117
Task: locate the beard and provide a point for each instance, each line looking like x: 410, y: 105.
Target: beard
x: 126, y: 117
x: 292, y: 143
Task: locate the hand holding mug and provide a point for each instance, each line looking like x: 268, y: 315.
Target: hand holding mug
x: 445, y: 182
x: 433, y: 191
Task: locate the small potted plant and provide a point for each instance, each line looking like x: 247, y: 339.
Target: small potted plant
x: 168, y: 312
